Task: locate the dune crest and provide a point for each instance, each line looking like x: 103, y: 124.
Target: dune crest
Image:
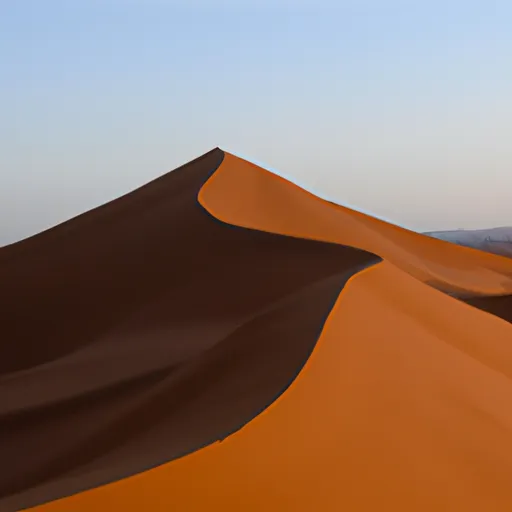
x: 244, y: 194
x: 220, y: 339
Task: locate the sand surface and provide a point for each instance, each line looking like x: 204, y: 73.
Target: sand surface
x: 221, y: 339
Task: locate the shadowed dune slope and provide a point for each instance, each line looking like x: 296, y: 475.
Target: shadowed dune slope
x: 147, y: 329
x: 384, y: 393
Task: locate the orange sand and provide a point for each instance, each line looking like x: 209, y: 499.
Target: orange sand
x: 403, y: 406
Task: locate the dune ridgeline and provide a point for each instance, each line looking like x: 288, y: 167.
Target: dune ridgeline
x: 222, y: 340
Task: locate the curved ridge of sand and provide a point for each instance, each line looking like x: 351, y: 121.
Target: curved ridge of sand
x: 402, y: 404
x: 146, y: 329
x: 408, y: 411
x: 255, y: 198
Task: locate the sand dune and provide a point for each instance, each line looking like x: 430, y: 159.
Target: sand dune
x: 343, y: 363
x: 495, y: 240
x: 244, y: 194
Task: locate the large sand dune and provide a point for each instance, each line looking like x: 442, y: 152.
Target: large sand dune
x: 343, y: 363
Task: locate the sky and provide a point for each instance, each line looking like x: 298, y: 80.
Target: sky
x: 401, y: 109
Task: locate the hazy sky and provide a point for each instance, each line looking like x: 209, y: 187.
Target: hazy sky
x: 399, y: 108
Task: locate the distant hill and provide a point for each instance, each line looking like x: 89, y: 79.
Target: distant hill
x: 494, y: 240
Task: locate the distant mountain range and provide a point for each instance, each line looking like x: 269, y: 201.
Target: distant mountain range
x: 494, y: 240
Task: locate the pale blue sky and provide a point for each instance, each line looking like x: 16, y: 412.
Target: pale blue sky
x: 402, y: 109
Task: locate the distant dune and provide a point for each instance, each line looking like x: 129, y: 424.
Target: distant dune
x: 221, y: 339
x: 495, y: 240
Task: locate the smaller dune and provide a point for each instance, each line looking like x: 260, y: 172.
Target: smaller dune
x: 495, y: 240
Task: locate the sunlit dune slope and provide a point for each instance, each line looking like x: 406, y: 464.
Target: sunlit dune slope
x: 244, y: 194
x: 403, y: 406
x: 382, y: 392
